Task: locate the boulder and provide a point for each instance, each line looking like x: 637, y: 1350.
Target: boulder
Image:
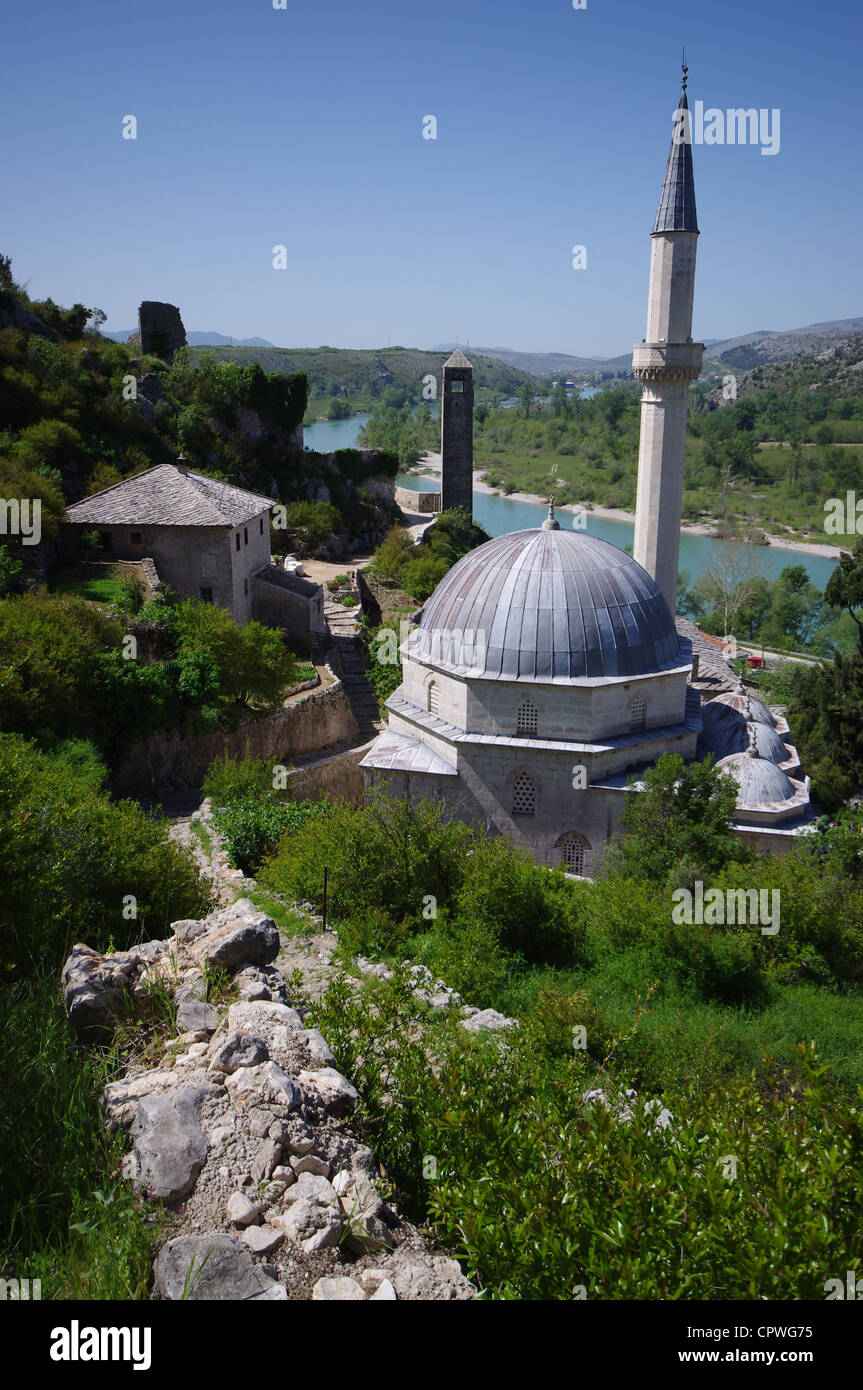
x: 266, y: 1082
x: 311, y: 1225
x: 333, y: 1090
x: 170, y: 1145
x: 238, y: 943
x: 235, y: 1050
x: 212, y: 1266
x: 419, y: 1276
x: 98, y: 989
x: 487, y: 1019
x: 338, y: 1290
x: 242, y: 1211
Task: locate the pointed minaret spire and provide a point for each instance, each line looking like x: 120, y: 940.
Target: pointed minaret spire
x: 665, y: 362
x: 676, y: 211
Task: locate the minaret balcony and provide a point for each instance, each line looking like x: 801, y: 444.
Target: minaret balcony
x: 667, y: 361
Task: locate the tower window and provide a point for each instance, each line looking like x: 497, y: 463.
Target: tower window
x: 262, y: 525
x: 245, y: 535
x: 637, y: 714
x: 523, y: 796
x: 433, y: 696
x: 455, y: 386
x: 237, y: 539
x: 135, y: 537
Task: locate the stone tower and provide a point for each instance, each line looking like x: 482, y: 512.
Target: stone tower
x: 456, y: 433
x: 666, y: 361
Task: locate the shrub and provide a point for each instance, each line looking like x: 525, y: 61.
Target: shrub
x: 254, y: 822
x: 70, y: 859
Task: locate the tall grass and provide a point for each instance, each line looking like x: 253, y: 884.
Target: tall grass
x: 66, y: 1215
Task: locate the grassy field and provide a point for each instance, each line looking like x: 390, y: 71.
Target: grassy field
x: 100, y: 583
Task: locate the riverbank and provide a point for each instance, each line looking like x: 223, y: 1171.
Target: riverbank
x: 430, y: 464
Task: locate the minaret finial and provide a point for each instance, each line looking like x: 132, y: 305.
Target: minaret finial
x: 685, y: 70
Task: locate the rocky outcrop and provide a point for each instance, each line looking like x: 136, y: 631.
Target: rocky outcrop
x: 160, y: 329
x: 243, y: 1129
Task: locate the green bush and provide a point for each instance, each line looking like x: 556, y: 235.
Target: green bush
x: 254, y: 822
x: 78, y: 867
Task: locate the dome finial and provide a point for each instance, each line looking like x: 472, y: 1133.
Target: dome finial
x: 752, y: 750
x: 551, y: 523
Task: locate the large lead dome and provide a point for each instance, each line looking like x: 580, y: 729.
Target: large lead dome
x: 548, y: 605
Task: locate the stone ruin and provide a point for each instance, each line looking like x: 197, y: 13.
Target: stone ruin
x: 160, y: 329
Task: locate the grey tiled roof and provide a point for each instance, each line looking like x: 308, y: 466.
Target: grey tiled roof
x: 400, y: 753
x: 549, y: 606
x: 676, y: 211
x: 163, y: 496
x: 458, y: 359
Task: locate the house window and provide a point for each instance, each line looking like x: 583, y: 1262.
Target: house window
x: 106, y: 540
x: 572, y: 851
x: 237, y: 539
x: 637, y: 714
x: 245, y: 535
x: 433, y: 694
x: 206, y: 596
x: 526, y: 723
x: 135, y: 537
x: 523, y: 796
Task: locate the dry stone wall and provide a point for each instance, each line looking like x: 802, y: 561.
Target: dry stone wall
x: 243, y: 1131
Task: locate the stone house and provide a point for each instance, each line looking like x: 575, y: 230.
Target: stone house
x: 208, y: 539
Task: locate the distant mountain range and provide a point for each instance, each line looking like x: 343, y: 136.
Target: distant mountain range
x: 748, y: 350
x: 741, y: 353
x: 198, y: 339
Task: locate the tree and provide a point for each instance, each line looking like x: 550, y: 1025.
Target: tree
x: 525, y: 397
x: 680, y: 821
x: 729, y: 581
x: 252, y: 662
x: 845, y: 586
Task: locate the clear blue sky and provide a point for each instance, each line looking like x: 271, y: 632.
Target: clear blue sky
x: 303, y: 126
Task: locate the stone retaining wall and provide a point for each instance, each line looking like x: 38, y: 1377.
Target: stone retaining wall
x: 411, y: 500
x: 319, y: 720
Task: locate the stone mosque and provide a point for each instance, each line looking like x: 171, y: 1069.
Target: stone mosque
x: 548, y: 669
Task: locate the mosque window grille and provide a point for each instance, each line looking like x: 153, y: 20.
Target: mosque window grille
x: 433, y: 697
x: 527, y: 719
x: 573, y: 851
x: 637, y: 714
x: 523, y: 796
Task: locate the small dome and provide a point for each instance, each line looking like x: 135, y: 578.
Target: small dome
x: 738, y: 702
x: 732, y: 733
x: 547, y: 605
x: 762, y: 784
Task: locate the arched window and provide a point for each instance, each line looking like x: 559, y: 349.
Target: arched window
x: 527, y: 719
x: 523, y: 795
x: 433, y: 693
x: 573, y: 848
x: 637, y: 714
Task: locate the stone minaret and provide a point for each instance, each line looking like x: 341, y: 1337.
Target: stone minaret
x: 666, y: 361
x: 456, y: 433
